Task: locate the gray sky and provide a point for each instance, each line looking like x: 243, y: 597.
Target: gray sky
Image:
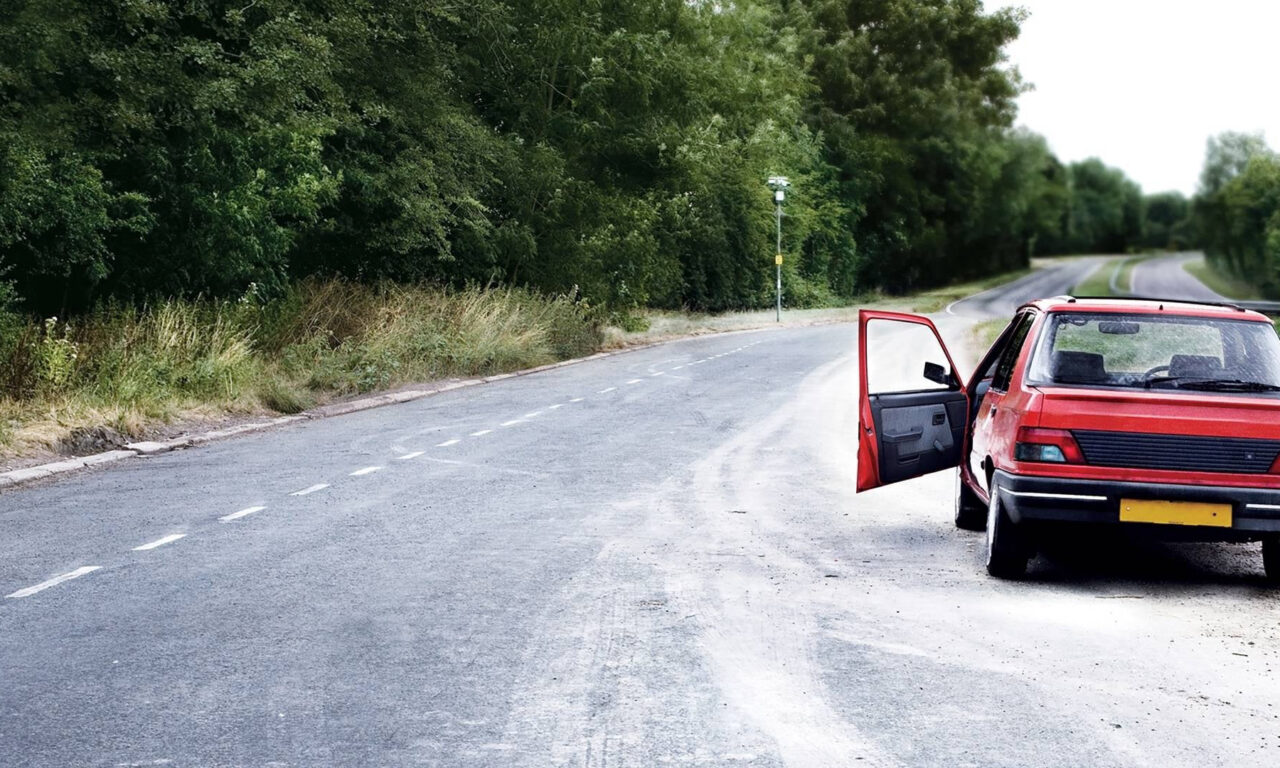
x: 1142, y: 83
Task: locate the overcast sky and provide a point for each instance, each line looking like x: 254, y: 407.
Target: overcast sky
x: 1142, y: 83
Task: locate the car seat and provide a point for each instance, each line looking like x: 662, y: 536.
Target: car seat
x: 1079, y: 368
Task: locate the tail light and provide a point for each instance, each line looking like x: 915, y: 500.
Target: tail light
x: 1054, y: 446
x: 1275, y: 466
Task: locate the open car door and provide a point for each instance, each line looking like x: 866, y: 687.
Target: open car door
x: 912, y: 408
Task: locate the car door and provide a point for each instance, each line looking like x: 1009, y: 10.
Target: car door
x: 912, y: 411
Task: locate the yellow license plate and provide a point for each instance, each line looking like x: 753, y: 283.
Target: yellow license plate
x: 1175, y: 513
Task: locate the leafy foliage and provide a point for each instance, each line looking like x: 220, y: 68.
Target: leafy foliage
x: 612, y: 150
x: 1237, y: 210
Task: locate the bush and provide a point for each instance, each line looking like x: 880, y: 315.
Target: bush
x: 125, y: 367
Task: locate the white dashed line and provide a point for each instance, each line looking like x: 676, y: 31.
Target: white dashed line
x: 240, y: 514
x: 533, y: 415
x: 577, y: 399
x: 55, y: 581
x: 678, y: 367
x: 635, y: 381
x: 512, y: 423
x: 659, y: 373
x: 408, y: 456
x: 448, y: 443
x: 606, y: 391
x: 365, y: 471
x: 160, y: 542
x: 481, y: 433
x: 310, y: 490
x: 553, y: 407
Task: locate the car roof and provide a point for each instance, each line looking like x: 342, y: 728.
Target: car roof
x: 1146, y: 306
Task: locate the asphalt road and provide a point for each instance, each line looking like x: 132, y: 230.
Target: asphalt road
x: 1164, y: 278
x: 651, y: 559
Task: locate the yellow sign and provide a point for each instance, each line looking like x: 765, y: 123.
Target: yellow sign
x: 778, y: 260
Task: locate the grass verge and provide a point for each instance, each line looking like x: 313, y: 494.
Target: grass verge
x: 1098, y: 283
x: 120, y: 372
x: 1223, y: 285
x: 985, y: 333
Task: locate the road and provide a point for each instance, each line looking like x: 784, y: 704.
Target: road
x: 651, y: 559
x: 1164, y: 278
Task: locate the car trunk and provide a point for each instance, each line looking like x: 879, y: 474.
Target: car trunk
x: 1232, y: 434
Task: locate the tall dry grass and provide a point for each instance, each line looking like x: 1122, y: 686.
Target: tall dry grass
x: 121, y: 371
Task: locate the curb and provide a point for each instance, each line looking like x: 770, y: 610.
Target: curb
x: 17, y: 477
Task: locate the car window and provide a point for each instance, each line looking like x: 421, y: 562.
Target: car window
x: 1157, y: 351
x: 1009, y: 358
x: 896, y: 355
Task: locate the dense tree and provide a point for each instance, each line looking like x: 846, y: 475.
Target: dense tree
x: 1237, y: 209
x: 913, y: 105
x: 1166, y: 221
x: 1104, y: 212
x: 612, y: 148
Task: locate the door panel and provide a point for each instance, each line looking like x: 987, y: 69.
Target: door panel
x: 919, y: 433
x: 916, y: 426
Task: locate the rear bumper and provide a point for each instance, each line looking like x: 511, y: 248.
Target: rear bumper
x: 1255, y: 511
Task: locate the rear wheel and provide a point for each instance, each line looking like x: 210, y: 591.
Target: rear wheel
x: 1271, y: 559
x: 971, y: 513
x: 1007, y: 552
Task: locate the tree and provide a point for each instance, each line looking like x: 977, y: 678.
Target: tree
x: 910, y: 101
x: 1166, y: 224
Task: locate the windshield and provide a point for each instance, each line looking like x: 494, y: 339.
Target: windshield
x: 1143, y: 351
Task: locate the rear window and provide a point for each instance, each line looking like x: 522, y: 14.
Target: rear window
x: 1157, y: 352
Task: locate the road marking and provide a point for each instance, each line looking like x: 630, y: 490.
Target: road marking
x: 481, y: 433
x: 503, y: 470
x: 310, y: 490
x: 448, y: 443
x: 678, y: 367
x: 634, y: 381
x: 577, y: 399
x: 606, y: 391
x: 533, y: 415
x: 240, y: 514
x: 408, y: 456
x: 160, y: 542
x: 365, y: 471
x: 553, y: 407
x: 55, y: 581
x: 659, y: 373
x: 512, y: 423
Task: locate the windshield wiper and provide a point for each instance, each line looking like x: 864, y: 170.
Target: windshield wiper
x: 1210, y: 385
x: 1231, y: 385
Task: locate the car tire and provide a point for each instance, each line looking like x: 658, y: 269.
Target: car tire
x: 1007, y: 553
x: 971, y: 513
x: 1271, y: 559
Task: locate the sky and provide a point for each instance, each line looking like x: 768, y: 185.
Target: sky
x: 1142, y: 84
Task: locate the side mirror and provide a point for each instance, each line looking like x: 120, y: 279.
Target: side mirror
x: 938, y: 375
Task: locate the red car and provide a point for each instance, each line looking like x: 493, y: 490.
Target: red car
x: 1160, y: 416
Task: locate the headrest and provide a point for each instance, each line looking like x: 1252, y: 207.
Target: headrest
x: 1194, y: 366
x: 1079, y: 368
